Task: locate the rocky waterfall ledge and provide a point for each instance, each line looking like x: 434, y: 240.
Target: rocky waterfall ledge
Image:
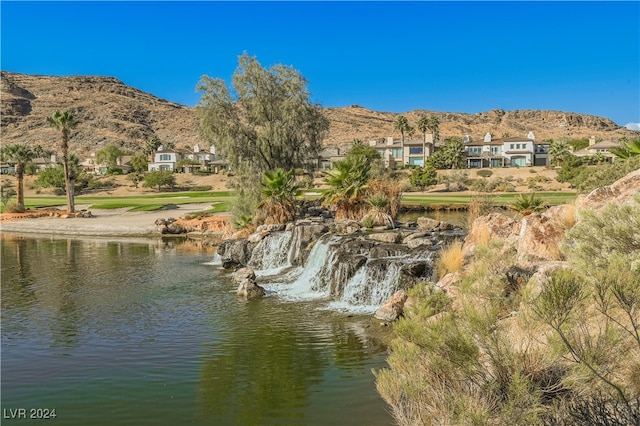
x: 350, y: 267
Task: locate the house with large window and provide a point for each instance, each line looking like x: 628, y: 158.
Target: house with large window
x: 506, y: 152
x: 396, y: 154
x: 166, y: 159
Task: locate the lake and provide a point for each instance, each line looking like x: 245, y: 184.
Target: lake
x: 146, y: 332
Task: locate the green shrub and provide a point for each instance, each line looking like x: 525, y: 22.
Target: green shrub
x: 485, y: 173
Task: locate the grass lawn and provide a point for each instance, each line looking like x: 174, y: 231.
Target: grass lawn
x: 219, y: 200
x: 553, y: 198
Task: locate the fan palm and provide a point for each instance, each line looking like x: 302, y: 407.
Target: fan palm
x: 279, y: 190
x: 348, y: 184
x: 20, y: 155
x: 65, y: 122
x: 628, y: 149
x: 558, y: 150
x: 528, y: 203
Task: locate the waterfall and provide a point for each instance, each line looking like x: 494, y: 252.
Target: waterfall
x: 371, y: 286
x: 271, y: 255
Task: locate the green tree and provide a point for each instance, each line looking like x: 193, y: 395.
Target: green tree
x: 135, y: 178
x: 139, y: 163
x: 528, y: 203
x: 433, y: 124
x: 65, y: 122
x: 6, y: 192
x: 402, y: 124
x: 371, y: 155
x: 558, y: 150
x: 20, y: 155
x: 159, y: 178
x: 279, y: 191
x: 453, y: 154
x: 423, y: 177
x: 151, y: 145
x: 628, y: 149
x: 265, y: 121
x: 110, y: 155
x: 347, y: 186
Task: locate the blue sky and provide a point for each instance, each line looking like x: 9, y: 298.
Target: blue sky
x: 387, y: 56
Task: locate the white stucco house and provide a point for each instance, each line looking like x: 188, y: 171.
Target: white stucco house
x: 507, y: 152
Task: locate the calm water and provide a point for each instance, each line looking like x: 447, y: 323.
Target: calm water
x: 147, y: 333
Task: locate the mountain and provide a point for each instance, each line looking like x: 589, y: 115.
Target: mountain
x: 109, y: 111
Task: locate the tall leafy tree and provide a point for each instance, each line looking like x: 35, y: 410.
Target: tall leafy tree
x: 110, y: 155
x: 151, y: 145
x: 139, y: 163
x: 65, y: 122
x: 264, y: 121
x: 20, y: 155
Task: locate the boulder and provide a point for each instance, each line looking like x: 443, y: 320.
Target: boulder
x: 250, y: 290
x: 247, y: 287
x: 235, y: 252
x: 621, y: 191
x: 539, y: 239
x: 392, y: 309
x: 258, y: 235
x: 243, y: 274
x: 427, y: 223
x: 346, y: 226
x: 386, y: 237
x: 302, y: 239
x: 415, y: 235
x: 273, y: 227
x: 419, y: 242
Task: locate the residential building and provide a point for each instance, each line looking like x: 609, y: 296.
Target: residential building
x: 206, y: 160
x: 396, y: 154
x: 166, y: 159
x: 328, y: 156
x: 507, y: 152
x: 602, y: 148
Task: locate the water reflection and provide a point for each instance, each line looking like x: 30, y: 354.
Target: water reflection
x: 121, y: 332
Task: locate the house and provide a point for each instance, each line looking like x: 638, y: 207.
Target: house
x: 602, y: 148
x: 328, y: 156
x: 398, y: 154
x: 505, y: 152
x: 202, y: 160
x: 166, y: 159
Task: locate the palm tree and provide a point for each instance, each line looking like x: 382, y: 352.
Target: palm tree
x: 20, y: 154
x: 628, y: 149
x: 527, y: 204
x: 423, y: 126
x: 433, y: 124
x: 453, y: 154
x: 348, y: 184
x: 279, y: 189
x: 65, y: 122
x: 402, y: 124
x: 558, y: 150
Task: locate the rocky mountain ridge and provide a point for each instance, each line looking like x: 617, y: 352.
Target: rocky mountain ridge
x: 109, y: 111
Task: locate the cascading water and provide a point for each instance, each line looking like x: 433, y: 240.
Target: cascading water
x: 271, y: 255
x: 349, y: 282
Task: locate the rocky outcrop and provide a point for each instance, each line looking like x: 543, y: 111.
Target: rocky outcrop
x: 393, y: 307
x: 620, y: 192
x: 111, y: 112
x: 247, y: 287
x: 235, y: 253
x: 169, y: 226
x: 535, y: 238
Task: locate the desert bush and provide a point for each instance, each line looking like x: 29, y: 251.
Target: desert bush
x: 13, y: 207
x: 485, y: 173
x: 451, y: 259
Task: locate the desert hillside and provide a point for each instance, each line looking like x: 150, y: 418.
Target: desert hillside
x: 111, y: 112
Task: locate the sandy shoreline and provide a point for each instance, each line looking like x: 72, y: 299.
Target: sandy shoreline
x: 113, y: 222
